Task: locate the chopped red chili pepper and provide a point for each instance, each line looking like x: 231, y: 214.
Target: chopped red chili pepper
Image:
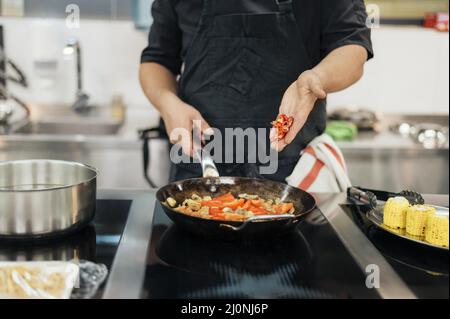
x: 282, y: 124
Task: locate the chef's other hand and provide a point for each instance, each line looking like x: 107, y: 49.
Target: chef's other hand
x: 298, y: 101
x: 179, y: 115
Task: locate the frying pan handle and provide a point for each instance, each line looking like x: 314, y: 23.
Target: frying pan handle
x: 256, y: 219
x: 209, y: 169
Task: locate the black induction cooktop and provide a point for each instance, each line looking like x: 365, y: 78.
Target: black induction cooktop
x: 298, y: 265
x: 424, y: 269
x: 97, y: 243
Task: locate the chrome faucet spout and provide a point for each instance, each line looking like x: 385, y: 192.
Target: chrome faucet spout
x: 81, y: 104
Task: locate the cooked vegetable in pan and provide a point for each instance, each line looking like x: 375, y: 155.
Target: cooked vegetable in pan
x: 230, y: 208
x: 282, y: 124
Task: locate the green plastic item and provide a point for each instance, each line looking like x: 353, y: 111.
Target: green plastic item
x: 342, y: 130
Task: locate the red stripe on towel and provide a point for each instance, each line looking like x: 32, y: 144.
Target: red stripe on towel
x: 312, y: 175
x: 336, y: 155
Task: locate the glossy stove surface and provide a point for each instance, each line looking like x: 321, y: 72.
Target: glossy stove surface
x: 298, y: 265
x: 97, y: 242
x: 424, y: 269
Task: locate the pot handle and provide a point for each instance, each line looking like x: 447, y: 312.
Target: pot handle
x: 256, y: 219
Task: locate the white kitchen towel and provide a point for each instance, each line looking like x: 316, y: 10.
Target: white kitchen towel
x: 321, y: 169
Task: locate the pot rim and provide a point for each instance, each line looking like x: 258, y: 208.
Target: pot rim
x: 86, y: 166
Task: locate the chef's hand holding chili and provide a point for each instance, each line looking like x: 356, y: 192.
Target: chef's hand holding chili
x: 340, y: 69
x: 298, y: 102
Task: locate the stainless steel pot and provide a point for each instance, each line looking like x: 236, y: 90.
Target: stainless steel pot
x: 41, y: 198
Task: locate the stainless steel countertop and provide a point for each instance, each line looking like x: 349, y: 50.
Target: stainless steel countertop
x: 136, y: 119
x: 382, y: 140
x: 129, y: 139
x: 88, y: 141
x: 127, y: 273
x: 127, y: 136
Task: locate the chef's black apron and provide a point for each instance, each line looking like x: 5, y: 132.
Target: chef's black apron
x: 236, y: 71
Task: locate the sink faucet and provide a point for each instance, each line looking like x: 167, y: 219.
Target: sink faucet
x: 81, y: 104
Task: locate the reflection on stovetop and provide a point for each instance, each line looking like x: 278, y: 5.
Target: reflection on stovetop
x: 423, y: 268
x: 242, y: 270
x: 81, y: 245
x: 97, y: 242
x: 297, y: 265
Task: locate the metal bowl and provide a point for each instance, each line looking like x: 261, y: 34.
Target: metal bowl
x: 42, y: 198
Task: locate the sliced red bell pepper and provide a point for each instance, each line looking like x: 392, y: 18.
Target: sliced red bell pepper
x: 225, y: 198
x: 215, y: 211
x: 259, y: 211
x: 212, y: 203
x: 286, y: 207
x: 234, y: 204
x: 256, y: 202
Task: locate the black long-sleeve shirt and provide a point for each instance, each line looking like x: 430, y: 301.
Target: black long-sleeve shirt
x: 325, y: 26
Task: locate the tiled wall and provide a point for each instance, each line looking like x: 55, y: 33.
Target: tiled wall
x: 409, y: 74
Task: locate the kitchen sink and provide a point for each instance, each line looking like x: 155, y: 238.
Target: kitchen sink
x: 72, y: 127
x: 62, y: 120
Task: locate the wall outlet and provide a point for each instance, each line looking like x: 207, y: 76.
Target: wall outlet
x: 13, y: 8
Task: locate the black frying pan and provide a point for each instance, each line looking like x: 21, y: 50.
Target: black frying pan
x: 214, y: 186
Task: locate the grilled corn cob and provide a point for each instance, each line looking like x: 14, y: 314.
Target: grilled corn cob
x: 416, y: 219
x: 437, y: 230
x: 395, y: 212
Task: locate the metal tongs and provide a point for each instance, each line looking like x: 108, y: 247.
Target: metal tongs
x: 209, y: 170
x: 370, y: 197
